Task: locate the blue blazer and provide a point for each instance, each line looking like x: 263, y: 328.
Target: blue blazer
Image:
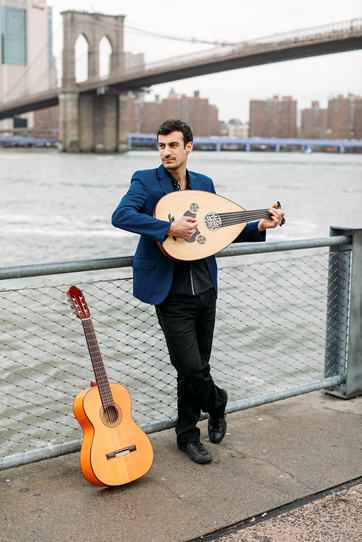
x: 152, y: 270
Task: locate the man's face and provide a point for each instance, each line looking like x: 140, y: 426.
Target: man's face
x: 172, y: 150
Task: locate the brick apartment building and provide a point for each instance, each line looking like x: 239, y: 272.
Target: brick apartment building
x: 257, y: 118
x: 314, y: 122
x: 273, y: 117
x: 345, y: 117
x: 195, y: 111
x: 46, y: 119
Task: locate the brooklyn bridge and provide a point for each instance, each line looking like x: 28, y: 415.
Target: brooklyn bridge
x: 101, y: 101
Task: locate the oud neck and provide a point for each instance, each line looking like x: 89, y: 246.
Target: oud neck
x: 97, y: 363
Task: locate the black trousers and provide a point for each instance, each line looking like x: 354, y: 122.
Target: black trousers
x: 188, y: 325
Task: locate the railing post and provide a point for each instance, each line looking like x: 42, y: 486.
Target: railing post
x: 344, y: 315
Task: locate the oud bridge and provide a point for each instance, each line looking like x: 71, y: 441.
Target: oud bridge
x: 121, y: 452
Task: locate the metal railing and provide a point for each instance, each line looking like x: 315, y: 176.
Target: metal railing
x: 285, y: 327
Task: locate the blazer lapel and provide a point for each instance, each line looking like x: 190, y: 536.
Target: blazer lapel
x: 194, y: 182
x: 164, y: 180
x: 166, y: 184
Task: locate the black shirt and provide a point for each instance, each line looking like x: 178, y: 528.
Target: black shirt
x: 190, y: 278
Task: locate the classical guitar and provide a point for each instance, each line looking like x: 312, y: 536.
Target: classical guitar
x: 115, y: 450
x: 220, y: 221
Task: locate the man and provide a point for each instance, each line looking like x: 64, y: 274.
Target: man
x: 184, y: 293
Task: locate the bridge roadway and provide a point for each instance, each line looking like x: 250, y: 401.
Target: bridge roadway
x: 327, y: 39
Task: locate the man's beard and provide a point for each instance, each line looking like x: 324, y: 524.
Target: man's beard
x: 170, y: 165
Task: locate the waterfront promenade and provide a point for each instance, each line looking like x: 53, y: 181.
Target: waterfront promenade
x: 273, y: 455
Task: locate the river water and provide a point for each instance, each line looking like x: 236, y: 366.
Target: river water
x: 58, y: 206
x: 270, y: 330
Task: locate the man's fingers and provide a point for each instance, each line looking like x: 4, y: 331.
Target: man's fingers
x: 184, y: 227
x: 277, y: 214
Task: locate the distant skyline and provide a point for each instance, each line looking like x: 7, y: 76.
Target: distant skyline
x: 317, y: 78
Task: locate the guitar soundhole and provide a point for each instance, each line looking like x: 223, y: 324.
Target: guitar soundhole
x: 111, y: 416
x: 212, y: 221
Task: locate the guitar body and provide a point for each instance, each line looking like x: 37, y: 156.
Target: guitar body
x: 116, y: 451
x: 212, y: 233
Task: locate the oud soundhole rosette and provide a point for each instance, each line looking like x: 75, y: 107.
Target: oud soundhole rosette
x: 201, y: 240
x: 212, y: 221
x: 111, y: 416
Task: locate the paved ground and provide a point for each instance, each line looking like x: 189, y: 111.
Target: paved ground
x: 331, y: 516
x: 274, y: 455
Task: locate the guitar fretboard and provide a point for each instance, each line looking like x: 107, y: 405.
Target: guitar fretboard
x: 98, y: 366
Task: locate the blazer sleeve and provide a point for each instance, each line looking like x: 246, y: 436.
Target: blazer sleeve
x: 251, y: 234
x: 132, y: 216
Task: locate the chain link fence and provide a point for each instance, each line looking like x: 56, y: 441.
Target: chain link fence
x: 270, y: 335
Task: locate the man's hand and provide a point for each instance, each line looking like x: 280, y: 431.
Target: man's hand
x: 273, y: 221
x: 183, y: 228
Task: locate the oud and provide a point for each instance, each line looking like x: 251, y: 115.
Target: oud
x: 220, y: 221
x: 115, y: 450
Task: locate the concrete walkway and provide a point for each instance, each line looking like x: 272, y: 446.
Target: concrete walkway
x: 272, y: 455
x: 333, y: 516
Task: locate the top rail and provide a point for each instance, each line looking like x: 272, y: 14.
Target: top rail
x: 76, y: 266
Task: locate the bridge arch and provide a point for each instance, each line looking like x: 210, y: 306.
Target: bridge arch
x: 105, y: 56
x: 81, y: 57
x: 93, y: 121
x: 93, y: 26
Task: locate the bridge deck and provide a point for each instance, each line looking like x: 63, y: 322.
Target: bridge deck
x: 327, y: 39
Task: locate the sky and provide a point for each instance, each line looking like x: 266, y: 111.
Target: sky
x: 319, y: 78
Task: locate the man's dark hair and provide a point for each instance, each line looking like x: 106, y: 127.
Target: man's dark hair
x: 172, y: 125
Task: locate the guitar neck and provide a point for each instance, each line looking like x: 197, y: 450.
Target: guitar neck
x: 97, y: 363
x: 238, y: 217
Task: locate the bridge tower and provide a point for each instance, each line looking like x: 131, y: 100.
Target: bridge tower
x: 95, y: 121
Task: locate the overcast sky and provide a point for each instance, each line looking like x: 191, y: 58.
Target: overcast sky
x: 318, y: 78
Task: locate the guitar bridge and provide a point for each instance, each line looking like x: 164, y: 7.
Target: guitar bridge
x: 121, y: 452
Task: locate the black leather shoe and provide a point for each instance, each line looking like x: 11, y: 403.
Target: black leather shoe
x: 196, y: 452
x: 217, y: 429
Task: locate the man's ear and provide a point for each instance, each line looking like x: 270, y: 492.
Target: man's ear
x: 189, y: 147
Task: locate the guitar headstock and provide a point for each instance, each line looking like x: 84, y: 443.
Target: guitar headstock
x: 80, y: 306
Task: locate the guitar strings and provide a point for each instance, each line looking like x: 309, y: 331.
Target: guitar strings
x: 238, y: 217
x: 104, y: 388
x: 97, y: 362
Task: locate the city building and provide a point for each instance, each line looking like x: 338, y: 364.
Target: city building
x: 26, y: 41
x: 345, y: 117
x: 358, y: 124
x: 223, y: 129
x: 314, y: 122
x: 273, y: 117
x: 45, y: 119
x: 257, y: 118
x: 237, y: 130
x: 195, y: 111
